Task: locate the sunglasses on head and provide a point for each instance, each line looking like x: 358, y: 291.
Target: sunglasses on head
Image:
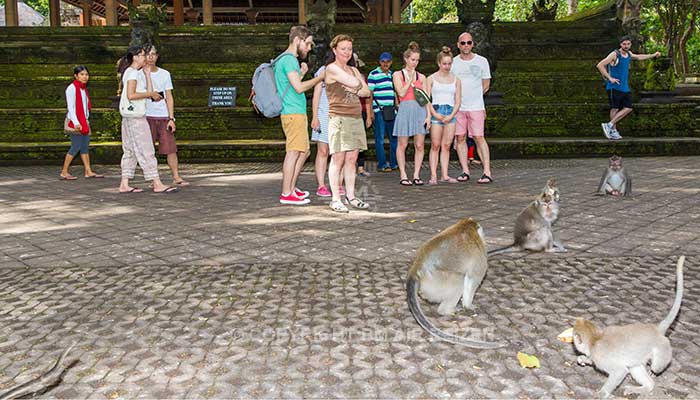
x: 463, y: 43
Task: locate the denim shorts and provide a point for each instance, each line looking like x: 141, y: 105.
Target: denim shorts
x: 442, y: 109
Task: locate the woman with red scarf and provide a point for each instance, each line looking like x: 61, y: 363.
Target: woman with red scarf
x: 76, y: 123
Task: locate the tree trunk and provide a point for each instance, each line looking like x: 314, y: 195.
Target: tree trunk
x: 572, y: 6
x: 683, y: 42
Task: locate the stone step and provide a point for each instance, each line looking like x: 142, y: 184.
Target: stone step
x: 508, y: 121
x: 192, y: 88
x: 25, y: 153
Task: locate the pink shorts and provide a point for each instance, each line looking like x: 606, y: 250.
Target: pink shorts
x: 472, y: 122
x: 161, y: 134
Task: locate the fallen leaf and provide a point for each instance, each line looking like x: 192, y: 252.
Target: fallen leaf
x: 567, y: 336
x: 410, y: 221
x: 528, y: 361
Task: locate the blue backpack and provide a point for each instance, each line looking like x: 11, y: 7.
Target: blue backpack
x: 264, y: 95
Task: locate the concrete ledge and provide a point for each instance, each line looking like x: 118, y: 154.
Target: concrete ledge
x: 204, y: 151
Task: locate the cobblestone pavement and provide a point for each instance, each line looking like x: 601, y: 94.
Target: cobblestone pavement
x: 220, y: 292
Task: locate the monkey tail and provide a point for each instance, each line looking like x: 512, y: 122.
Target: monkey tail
x: 666, y: 323
x: 39, y: 383
x: 414, y: 306
x: 503, y: 250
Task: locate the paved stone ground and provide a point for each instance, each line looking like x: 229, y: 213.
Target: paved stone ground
x: 220, y: 292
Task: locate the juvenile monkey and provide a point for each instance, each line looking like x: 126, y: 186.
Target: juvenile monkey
x: 619, y: 350
x: 615, y: 180
x: 533, y: 227
x: 450, y: 266
x: 39, y: 383
x: 552, y: 189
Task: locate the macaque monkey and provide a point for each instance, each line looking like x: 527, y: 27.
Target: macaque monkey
x: 552, y: 189
x: 619, y: 350
x: 533, y: 227
x: 448, y: 267
x: 615, y: 180
x: 39, y: 383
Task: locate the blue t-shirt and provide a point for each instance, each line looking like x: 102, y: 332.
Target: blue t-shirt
x: 292, y: 102
x: 620, y: 71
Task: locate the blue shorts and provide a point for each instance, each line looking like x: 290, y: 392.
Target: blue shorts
x: 442, y: 109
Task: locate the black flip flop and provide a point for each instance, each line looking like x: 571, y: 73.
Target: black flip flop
x: 405, y: 182
x: 484, y: 176
x: 463, y: 177
x: 418, y: 182
x: 170, y: 189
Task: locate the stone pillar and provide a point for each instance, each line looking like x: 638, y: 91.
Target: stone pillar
x: 207, y: 12
x: 11, y: 13
x: 86, y: 5
x: 396, y: 11
x: 302, y: 12
x: 179, y: 12
x: 55, y: 12
x: 111, y: 16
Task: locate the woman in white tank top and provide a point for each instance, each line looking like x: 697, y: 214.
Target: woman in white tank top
x: 446, y: 91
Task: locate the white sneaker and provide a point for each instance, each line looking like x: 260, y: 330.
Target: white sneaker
x: 615, y: 134
x: 607, y: 129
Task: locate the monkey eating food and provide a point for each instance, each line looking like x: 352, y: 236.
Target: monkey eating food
x: 533, y: 227
x: 450, y: 266
x: 619, y: 350
x: 615, y: 181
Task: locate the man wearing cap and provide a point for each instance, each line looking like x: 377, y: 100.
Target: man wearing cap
x: 615, y: 69
x: 382, y: 89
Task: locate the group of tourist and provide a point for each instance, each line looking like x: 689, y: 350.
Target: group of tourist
x: 448, y: 105
x: 399, y: 105
x: 141, y: 79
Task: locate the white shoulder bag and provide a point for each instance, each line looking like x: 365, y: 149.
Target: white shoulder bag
x: 131, y: 108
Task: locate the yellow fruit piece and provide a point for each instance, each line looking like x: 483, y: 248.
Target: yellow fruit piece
x: 528, y: 361
x: 567, y: 336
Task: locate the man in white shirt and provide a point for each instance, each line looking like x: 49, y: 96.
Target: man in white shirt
x: 474, y: 72
x: 161, y: 116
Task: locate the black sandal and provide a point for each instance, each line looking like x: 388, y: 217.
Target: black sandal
x: 418, y: 182
x: 463, y: 177
x: 405, y: 182
x: 484, y: 176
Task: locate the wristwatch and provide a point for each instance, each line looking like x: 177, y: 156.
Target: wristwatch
x: 171, y: 119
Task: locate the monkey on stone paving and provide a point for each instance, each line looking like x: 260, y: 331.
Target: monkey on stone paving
x: 615, y: 180
x: 619, y: 350
x: 450, y: 266
x: 533, y: 227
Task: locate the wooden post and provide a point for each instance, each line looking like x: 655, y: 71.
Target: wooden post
x: 396, y: 11
x: 207, y: 12
x: 86, y: 5
x: 302, y: 12
x: 386, y: 14
x: 55, y: 12
x: 179, y: 11
x: 111, y: 16
x: 11, y: 13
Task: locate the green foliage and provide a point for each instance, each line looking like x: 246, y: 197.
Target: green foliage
x: 42, y: 6
x: 517, y: 10
x: 660, y: 75
x: 432, y: 11
x: 150, y: 10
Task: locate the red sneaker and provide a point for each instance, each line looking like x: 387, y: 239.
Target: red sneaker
x: 292, y: 199
x: 302, y: 194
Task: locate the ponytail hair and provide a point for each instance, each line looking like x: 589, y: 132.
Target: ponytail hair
x: 444, y: 52
x: 128, y: 58
x: 412, y: 48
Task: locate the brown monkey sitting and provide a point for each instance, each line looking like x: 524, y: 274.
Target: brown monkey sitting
x: 448, y: 267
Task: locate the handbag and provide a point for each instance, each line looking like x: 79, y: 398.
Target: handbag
x: 131, y: 108
x: 388, y: 112
x: 421, y: 95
